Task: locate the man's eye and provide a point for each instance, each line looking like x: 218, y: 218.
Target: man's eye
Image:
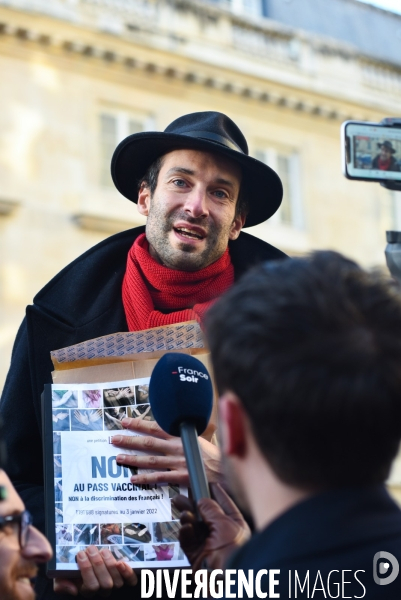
x: 179, y: 182
x: 220, y: 194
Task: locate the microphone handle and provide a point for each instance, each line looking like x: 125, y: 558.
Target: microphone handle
x: 196, y: 469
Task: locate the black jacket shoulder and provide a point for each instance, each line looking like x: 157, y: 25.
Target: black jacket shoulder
x: 87, y: 287
x: 248, y: 251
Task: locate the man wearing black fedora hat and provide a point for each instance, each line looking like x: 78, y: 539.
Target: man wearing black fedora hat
x: 198, y: 187
x: 385, y: 160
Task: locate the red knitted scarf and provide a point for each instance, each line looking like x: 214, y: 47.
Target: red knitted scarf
x: 151, y: 291
x: 384, y: 164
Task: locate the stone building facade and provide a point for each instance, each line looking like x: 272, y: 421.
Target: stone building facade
x: 80, y: 75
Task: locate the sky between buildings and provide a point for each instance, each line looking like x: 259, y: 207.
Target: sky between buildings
x: 393, y: 5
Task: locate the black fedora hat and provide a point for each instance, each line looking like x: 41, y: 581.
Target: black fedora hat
x: 388, y: 145
x: 207, y: 131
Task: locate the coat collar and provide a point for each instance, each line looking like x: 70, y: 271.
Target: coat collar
x: 323, y: 523
x: 91, y: 285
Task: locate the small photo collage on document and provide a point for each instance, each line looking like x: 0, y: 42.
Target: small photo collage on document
x: 58, y: 476
x: 131, y: 542
x: 93, y: 408
x: 100, y: 408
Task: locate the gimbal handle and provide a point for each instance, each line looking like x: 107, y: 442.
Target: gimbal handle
x: 391, y: 122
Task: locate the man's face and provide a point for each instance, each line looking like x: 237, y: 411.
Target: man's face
x: 18, y: 566
x: 191, y: 216
x: 385, y: 153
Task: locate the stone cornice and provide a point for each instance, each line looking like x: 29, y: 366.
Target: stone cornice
x: 101, y: 224
x: 257, y: 59
x: 227, y: 83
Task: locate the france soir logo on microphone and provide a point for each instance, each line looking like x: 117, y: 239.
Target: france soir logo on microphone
x: 190, y: 375
x: 180, y: 389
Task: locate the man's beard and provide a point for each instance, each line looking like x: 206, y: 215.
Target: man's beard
x: 9, y: 587
x: 186, y: 257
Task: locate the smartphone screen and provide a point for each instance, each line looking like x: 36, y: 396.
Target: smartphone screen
x: 371, y: 151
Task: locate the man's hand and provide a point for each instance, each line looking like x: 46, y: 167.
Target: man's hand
x: 59, y: 416
x: 95, y: 415
x: 165, y: 454
x: 100, y: 574
x: 81, y: 417
x: 214, y: 539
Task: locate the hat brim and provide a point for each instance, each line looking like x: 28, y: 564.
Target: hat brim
x: 134, y: 155
x: 392, y: 150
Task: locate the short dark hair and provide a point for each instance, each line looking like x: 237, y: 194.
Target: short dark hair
x: 152, y: 175
x: 312, y: 347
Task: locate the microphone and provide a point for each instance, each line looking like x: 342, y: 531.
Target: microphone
x: 181, y: 399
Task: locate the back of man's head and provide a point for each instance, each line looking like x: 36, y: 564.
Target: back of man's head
x: 312, y: 347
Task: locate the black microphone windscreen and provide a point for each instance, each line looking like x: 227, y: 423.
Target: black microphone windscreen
x: 180, y: 390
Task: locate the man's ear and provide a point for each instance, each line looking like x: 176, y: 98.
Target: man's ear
x: 232, y: 426
x: 236, y: 226
x: 144, y: 199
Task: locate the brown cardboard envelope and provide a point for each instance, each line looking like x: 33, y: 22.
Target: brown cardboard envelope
x: 124, y: 366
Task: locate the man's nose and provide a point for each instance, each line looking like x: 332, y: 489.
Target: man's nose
x: 37, y: 548
x: 196, y: 203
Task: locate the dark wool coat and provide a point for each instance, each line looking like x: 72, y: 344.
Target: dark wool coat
x: 339, y: 531
x: 82, y: 302
x: 392, y: 167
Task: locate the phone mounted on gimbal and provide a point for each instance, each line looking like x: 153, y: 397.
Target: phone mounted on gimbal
x: 372, y: 152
